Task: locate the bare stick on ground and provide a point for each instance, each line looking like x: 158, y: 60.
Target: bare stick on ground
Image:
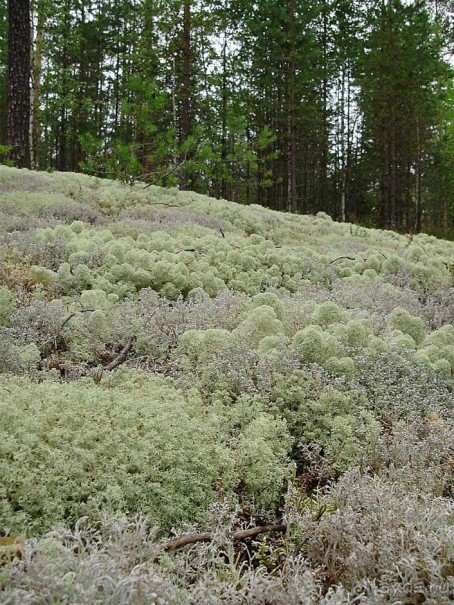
x: 235, y: 536
x: 121, y: 357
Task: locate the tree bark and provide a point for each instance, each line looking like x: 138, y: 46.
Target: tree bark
x: 418, y: 193
x: 323, y: 202
x: 185, y: 123
x: 224, y: 121
x: 292, y: 197
x: 36, y: 84
x: 19, y: 72
x: 62, y: 136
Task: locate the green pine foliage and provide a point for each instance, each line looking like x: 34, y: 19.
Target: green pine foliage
x: 338, y: 106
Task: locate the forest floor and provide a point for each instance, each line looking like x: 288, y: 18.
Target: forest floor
x: 203, y: 402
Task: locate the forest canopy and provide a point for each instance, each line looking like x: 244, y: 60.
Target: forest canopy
x: 300, y: 105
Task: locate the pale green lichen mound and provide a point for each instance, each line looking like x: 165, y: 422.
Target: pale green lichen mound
x: 401, y: 319
x: 71, y: 451
x: 314, y: 345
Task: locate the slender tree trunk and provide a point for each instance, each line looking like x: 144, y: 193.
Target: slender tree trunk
x: 116, y: 93
x: 19, y: 72
x: 292, y: 197
x: 36, y: 84
x: 394, y: 174
x: 418, y: 195
x: 63, y: 122
x: 408, y: 216
x: 325, y: 127
x: 79, y: 122
x: 174, y: 111
x: 393, y: 181
x: 385, y: 179
x: 224, y: 120
x: 185, y: 123
x: 343, y: 159
x: 62, y: 138
x: 248, y: 167
x: 32, y: 94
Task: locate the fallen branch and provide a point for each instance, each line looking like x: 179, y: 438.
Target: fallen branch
x: 234, y: 536
x: 74, y: 314
x: 340, y: 257
x: 121, y: 357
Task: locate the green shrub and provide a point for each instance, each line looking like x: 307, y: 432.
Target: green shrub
x: 269, y: 299
x: 403, y: 343
x: 392, y: 265
x: 357, y: 334
x: 4, y: 153
x: 444, y: 336
x: 41, y: 275
x: 19, y: 358
x: 442, y: 367
x: 202, y: 345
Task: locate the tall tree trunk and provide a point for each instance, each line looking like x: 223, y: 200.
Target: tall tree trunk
x: 63, y: 113
x: 385, y: 179
x: 418, y: 194
x: 36, y: 84
x: 62, y: 138
x: 292, y: 198
x: 19, y: 99
x: 224, y: 120
x: 185, y: 123
x: 393, y: 186
x: 323, y: 202
x: 78, y: 114
x: 342, y: 134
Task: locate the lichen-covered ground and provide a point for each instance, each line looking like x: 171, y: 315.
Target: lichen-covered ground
x: 172, y: 363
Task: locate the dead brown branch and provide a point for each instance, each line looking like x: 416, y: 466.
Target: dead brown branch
x: 121, y: 357
x: 74, y: 314
x: 341, y: 257
x: 234, y: 536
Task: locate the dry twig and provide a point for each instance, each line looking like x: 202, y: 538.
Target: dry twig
x: 235, y: 536
x: 121, y: 357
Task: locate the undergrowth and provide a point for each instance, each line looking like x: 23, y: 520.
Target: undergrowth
x: 173, y: 364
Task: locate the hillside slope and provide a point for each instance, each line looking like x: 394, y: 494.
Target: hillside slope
x: 204, y: 363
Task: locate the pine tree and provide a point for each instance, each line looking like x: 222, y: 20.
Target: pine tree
x: 399, y: 71
x: 18, y: 110
x: 3, y: 68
